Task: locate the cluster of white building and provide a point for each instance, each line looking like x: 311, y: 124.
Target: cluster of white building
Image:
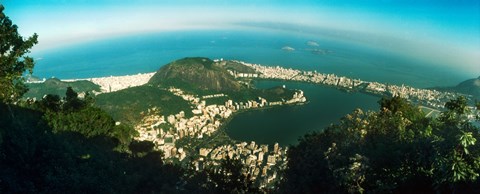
x: 164, y: 131
x: 431, y: 98
x: 213, y: 96
x: 115, y: 83
x: 243, y: 75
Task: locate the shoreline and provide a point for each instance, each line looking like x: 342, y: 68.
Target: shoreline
x: 427, y: 97
x: 225, y: 122
x: 115, y: 83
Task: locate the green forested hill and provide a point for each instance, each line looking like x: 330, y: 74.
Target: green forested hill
x: 127, y: 104
x: 58, y: 87
x: 202, y: 76
x: 471, y: 87
x: 194, y: 74
x: 238, y: 67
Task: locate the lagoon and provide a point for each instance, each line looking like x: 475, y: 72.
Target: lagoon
x: 286, y: 124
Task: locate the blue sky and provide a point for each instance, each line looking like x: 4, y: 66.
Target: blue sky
x: 446, y: 28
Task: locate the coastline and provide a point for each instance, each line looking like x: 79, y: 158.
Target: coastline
x: 226, y: 121
x: 115, y: 83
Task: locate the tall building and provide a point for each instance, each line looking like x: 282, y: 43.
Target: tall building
x: 265, y: 148
x: 181, y: 134
x: 260, y: 156
x: 252, y: 145
x: 173, y: 151
x: 271, y: 160
x: 171, y: 119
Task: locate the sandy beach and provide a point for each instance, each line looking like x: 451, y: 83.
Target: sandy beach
x: 115, y: 83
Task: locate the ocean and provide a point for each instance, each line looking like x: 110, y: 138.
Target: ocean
x: 148, y: 52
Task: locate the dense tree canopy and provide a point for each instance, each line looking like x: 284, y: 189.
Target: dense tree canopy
x: 33, y: 159
x: 13, y: 62
x: 79, y: 115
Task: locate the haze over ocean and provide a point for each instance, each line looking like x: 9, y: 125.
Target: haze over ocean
x: 147, y: 53
x: 412, y: 42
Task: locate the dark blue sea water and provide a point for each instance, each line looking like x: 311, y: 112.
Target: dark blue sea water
x: 148, y: 52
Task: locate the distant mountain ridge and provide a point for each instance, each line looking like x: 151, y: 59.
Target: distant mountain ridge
x: 471, y: 87
x: 196, y: 73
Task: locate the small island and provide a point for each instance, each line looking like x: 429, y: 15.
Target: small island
x: 288, y: 48
x: 312, y: 43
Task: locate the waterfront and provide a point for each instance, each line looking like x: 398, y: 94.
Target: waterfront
x: 286, y: 124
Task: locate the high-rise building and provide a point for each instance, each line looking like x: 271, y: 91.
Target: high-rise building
x: 271, y: 160
x: 265, y: 148
x: 260, y: 156
x: 252, y: 145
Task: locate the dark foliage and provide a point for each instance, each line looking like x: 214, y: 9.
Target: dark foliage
x: 35, y: 160
x: 227, y: 178
x: 395, y: 150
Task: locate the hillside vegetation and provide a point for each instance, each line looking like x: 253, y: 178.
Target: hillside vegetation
x: 470, y: 87
x: 58, y: 87
x: 238, y: 67
x: 193, y: 74
x: 127, y: 104
x: 203, y: 76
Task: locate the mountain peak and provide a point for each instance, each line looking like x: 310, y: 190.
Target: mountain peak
x: 194, y: 74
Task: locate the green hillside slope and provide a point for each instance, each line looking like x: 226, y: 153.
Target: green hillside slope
x: 195, y: 74
x: 58, y: 87
x: 127, y: 104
